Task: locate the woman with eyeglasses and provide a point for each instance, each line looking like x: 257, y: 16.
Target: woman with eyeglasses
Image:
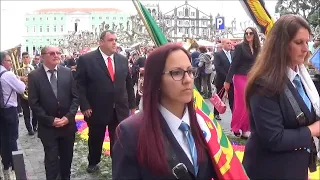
x: 243, y: 58
x: 152, y: 142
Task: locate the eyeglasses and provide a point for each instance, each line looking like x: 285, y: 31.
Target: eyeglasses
x: 53, y: 53
x: 179, y: 74
x: 248, y: 33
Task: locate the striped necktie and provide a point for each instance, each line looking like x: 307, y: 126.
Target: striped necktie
x: 184, y: 127
x: 301, y: 91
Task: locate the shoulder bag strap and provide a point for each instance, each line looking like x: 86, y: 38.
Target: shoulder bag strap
x: 296, y: 108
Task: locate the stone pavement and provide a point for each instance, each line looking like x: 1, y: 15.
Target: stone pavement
x: 33, y: 153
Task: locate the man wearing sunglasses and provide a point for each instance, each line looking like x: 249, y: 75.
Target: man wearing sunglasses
x: 106, y: 93
x: 55, y: 108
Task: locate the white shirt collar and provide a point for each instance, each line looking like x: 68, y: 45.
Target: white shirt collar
x: 172, y: 120
x: 47, y: 69
x: 105, y: 57
x: 225, y: 51
x: 292, y: 74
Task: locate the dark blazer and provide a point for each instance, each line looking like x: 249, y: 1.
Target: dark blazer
x: 242, y: 61
x: 35, y: 66
x: 124, y: 161
x: 99, y: 93
x: 71, y: 62
x: 222, y: 65
x: 46, y: 106
x: 270, y: 152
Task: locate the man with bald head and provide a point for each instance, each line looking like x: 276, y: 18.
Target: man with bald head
x: 55, y: 108
x: 222, y: 61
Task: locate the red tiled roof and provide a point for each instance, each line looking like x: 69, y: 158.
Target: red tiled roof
x: 71, y: 10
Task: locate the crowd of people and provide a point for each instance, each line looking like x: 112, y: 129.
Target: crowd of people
x: 274, y: 102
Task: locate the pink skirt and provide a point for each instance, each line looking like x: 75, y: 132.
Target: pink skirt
x: 240, y: 117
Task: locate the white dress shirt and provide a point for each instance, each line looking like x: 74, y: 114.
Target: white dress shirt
x: 105, y: 57
x: 10, y: 82
x: 174, y: 123
x: 292, y: 74
x: 46, y: 69
x: 228, y: 54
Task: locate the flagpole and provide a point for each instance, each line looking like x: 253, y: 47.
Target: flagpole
x: 144, y: 21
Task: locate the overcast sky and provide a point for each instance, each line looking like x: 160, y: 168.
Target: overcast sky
x: 12, y: 15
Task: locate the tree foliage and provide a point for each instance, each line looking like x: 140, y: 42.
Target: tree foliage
x: 308, y: 9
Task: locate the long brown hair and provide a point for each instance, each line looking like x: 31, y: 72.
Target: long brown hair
x: 256, y: 41
x: 270, y: 68
x: 150, y: 149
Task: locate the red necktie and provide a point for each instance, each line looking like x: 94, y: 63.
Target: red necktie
x: 110, y: 69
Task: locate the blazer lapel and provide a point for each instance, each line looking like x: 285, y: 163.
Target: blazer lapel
x: 300, y: 101
x: 225, y: 57
x: 47, y: 82
x: 117, y: 66
x: 176, y: 146
x: 60, y: 78
x: 102, y: 63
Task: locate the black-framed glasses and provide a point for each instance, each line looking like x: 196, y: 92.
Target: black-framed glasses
x: 248, y: 33
x: 179, y: 74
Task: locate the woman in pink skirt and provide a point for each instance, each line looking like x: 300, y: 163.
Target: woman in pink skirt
x: 243, y: 58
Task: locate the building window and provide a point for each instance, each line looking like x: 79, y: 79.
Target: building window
x: 34, y: 19
x: 27, y: 29
x: 114, y: 18
x: 186, y: 12
x: 34, y: 29
x: 54, y: 18
x: 100, y: 17
x: 186, y: 30
x: 192, y: 22
x: 61, y: 18
x: 27, y: 19
x: 41, y: 19
x: 93, y: 27
x: 54, y: 28
x: 179, y: 22
x: 40, y: 30
x: 27, y: 49
x: 54, y: 39
x: 180, y: 30
x: 48, y: 28
x: 180, y: 13
x: 107, y: 18
x: 121, y: 18
x: 61, y: 28
x: 47, y: 18
x: 27, y: 40
x: 193, y: 14
x: 92, y: 18
x: 48, y: 40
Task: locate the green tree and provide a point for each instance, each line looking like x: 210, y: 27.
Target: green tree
x: 308, y: 9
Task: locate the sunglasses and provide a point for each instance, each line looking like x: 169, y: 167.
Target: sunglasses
x: 248, y: 33
x: 53, y: 53
x: 179, y: 74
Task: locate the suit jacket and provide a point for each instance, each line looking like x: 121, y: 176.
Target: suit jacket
x: 46, y: 106
x: 35, y: 66
x: 242, y: 61
x: 71, y: 62
x: 270, y: 152
x: 99, y: 93
x: 222, y: 65
x: 124, y: 161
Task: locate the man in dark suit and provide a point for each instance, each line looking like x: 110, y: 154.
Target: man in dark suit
x: 222, y: 61
x: 36, y: 61
x: 55, y: 108
x: 106, y: 93
x: 72, y: 63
